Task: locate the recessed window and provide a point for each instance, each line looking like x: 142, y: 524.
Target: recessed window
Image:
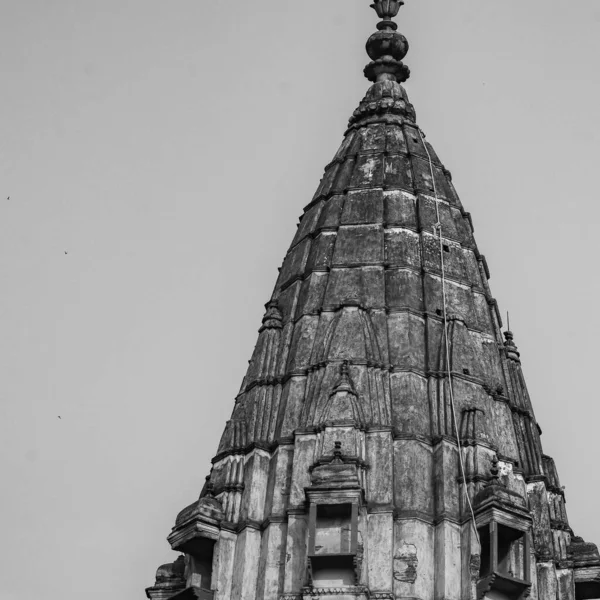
x: 438, y: 312
x: 466, y: 371
x: 333, y: 529
x: 446, y: 248
x: 332, y: 544
x: 506, y: 547
x: 332, y: 571
x: 201, y: 563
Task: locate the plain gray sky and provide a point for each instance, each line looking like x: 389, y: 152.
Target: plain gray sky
x: 168, y: 148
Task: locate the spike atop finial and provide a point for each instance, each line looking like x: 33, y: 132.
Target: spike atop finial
x: 387, y: 47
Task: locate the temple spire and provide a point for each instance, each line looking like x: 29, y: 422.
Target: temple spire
x: 341, y: 453
x: 387, y: 47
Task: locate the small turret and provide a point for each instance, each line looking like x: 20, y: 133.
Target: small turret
x: 511, y: 349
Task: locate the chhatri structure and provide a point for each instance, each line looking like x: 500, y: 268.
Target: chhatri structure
x: 383, y: 444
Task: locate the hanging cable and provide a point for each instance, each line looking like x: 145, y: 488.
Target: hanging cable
x: 438, y: 229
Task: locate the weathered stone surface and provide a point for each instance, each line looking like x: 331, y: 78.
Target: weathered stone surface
x: 413, y: 552
x: 295, y: 555
x: 380, y: 544
x: 379, y: 400
x: 225, y: 565
x: 246, y: 561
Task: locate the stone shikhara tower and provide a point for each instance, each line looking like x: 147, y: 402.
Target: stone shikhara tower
x: 383, y: 444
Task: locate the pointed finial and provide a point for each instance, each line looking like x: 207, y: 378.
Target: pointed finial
x: 511, y: 349
x: 494, y: 471
x: 337, y: 452
x: 344, y: 383
x: 387, y: 47
x: 209, y: 489
x: 344, y: 370
x: 387, y: 10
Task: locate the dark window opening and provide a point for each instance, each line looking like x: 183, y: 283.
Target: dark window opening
x: 510, y: 552
x: 438, y: 312
x: 466, y: 371
x: 503, y: 551
x: 486, y: 554
x: 333, y: 529
x: 201, y: 553
x: 446, y: 248
x: 332, y: 544
x: 333, y: 571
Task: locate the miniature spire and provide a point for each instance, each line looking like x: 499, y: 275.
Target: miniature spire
x: 344, y: 383
x: 387, y: 47
x: 272, y: 318
x: 511, y: 349
x: 343, y: 405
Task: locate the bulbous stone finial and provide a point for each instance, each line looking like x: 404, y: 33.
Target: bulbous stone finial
x: 511, y: 349
x: 387, y: 47
x: 272, y: 318
x: 210, y: 488
x: 494, y: 471
x: 337, y: 453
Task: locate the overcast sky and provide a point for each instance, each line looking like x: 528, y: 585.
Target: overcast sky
x: 157, y: 156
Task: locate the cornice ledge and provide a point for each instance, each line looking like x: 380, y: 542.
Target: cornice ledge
x: 386, y: 509
x: 299, y: 509
x: 249, y: 524
x: 274, y: 518
x: 245, y: 450
x: 379, y: 429
x: 537, y: 479
x: 415, y: 437
x: 413, y: 515
x: 352, y: 590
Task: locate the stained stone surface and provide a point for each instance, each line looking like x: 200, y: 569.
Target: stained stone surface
x: 347, y: 401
